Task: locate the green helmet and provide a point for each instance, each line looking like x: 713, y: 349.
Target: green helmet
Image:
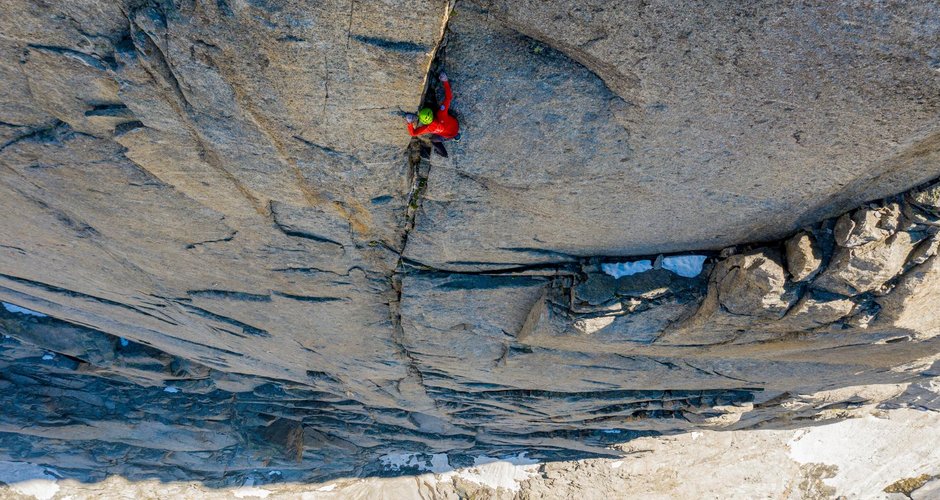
x: 425, y: 116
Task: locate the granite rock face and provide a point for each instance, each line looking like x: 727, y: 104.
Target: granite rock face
x: 622, y: 127
x: 243, y: 263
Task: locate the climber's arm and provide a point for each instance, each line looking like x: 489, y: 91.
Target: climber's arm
x: 448, y: 96
x: 415, y: 132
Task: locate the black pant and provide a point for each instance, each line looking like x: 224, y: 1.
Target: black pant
x: 437, y: 142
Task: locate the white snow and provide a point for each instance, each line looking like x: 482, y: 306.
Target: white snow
x: 500, y: 472
x: 13, y: 308
x: 865, y: 450
x: 171, y: 389
x: 620, y: 269
x: 29, y: 479
x: 250, y: 492
x: 329, y: 487
x: 519, y: 459
x: 506, y: 472
x: 48, y: 356
x: 688, y: 266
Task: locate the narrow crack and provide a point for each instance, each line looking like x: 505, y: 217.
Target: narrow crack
x: 419, y: 170
x: 36, y: 132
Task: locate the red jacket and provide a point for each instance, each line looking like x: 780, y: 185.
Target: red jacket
x: 443, y: 125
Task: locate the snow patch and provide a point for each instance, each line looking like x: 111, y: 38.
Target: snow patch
x: 251, y: 492
x: 859, y: 447
x: 519, y: 459
x: 248, y: 490
x: 171, y: 389
x: 29, y: 479
x: 505, y: 472
x: 329, y: 487
x: 687, y: 266
x: 620, y: 269
x: 48, y: 356
x: 13, y: 308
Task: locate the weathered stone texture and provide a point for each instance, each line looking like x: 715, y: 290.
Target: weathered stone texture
x: 247, y: 264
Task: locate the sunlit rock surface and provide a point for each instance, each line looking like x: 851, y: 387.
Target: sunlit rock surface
x: 223, y: 256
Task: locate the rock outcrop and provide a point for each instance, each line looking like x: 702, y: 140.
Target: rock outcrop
x: 238, y: 261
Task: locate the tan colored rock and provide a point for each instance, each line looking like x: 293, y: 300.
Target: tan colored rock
x: 754, y: 284
x: 914, y: 304
x: 925, y: 250
x: 810, y: 312
x: 917, y: 215
x: 865, y: 268
x: 244, y: 198
x: 803, y: 256
x: 927, y: 198
x: 77, y: 88
x: 867, y: 225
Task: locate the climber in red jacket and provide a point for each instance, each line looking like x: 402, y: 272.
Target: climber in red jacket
x: 440, y: 125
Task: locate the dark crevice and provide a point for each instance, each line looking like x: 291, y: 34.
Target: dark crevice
x: 309, y: 298
x: 297, y: 233
x: 293, y: 231
x: 71, y: 293
x: 230, y: 237
x: 15, y: 249
x: 43, y: 134
x: 86, y: 59
x: 246, y: 329
x: 418, y: 171
x: 390, y: 45
x: 229, y: 295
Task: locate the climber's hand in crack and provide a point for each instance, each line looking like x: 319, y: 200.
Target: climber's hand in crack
x: 410, y: 117
x: 443, y: 77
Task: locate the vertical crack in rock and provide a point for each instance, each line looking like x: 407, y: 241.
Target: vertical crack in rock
x: 419, y: 169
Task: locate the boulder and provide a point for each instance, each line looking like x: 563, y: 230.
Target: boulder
x: 912, y: 304
x: 597, y: 289
x: 811, y: 312
x: 927, y: 198
x: 925, y: 250
x: 650, y: 284
x: 865, y: 268
x: 867, y: 225
x: 754, y: 284
x: 804, y: 256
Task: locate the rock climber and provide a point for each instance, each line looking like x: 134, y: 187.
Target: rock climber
x: 441, y: 126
